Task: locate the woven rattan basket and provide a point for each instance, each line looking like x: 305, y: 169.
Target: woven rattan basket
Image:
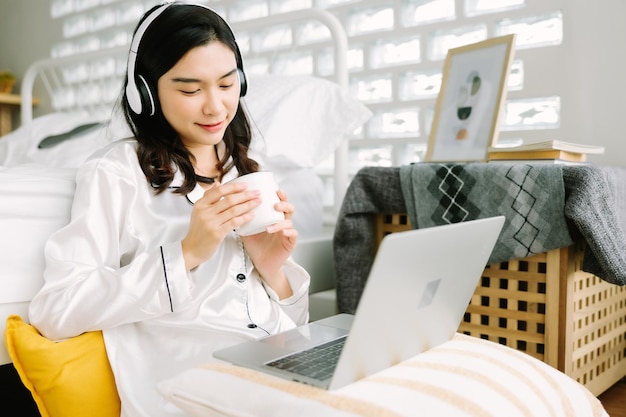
x: 546, y: 306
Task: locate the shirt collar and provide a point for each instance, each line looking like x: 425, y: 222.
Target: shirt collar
x: 197, y: 193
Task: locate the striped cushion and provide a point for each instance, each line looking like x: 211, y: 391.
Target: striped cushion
x: 464, y: 377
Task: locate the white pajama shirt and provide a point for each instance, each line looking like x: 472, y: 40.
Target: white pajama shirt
x: 118, y: 266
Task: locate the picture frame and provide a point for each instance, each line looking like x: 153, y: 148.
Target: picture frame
x: 468, y: 106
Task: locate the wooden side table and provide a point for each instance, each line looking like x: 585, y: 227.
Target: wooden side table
x: 8, y: 104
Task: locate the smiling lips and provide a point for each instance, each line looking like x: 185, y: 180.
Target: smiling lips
x: 212, y: 127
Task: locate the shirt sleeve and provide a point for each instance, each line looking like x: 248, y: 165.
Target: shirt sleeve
x: 98, y: 273
x: 296, y: 306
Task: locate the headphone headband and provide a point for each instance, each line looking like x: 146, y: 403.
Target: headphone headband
x: 134, y: 46
x: 140, y: 96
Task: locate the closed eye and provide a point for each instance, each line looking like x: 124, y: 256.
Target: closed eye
x: 189, y: 93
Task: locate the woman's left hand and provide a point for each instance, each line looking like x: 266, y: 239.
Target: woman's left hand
x: 270, y: 249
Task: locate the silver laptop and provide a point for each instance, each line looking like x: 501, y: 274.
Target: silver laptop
x: 418, y: 289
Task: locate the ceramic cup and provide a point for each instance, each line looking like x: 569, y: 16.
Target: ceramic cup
x: 265, y: 214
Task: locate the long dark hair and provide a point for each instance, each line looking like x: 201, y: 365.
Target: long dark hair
x: 178, y: 29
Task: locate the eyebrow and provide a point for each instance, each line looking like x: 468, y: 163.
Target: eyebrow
x: 196, y: 80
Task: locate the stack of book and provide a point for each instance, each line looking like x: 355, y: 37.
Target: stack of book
x: 554, y: 151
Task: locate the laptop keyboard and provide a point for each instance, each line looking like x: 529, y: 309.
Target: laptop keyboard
x: 318, y: 362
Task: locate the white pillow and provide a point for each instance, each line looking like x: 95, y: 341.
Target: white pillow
x: 36, y: 201
x: 467, y: 376
x: 22, y: 145
x: 299, y: 121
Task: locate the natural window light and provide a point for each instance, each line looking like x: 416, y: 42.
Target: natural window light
x: 396, y: 54
x: 421, y: 12
x: 478, y: 7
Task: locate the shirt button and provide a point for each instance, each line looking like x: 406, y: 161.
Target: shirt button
x: 241, y: 277
x: 251, y: 326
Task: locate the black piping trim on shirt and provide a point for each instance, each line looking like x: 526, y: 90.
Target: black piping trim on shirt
x: 252, y: 324
x: 172, y: 187
x: 167, y: 284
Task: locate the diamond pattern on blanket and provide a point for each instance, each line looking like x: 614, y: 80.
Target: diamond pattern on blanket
x: 526, y: 200
x: 530, y: 196
x: 451, y: 185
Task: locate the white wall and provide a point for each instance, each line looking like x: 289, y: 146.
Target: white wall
x: 595, y: 71
x: 28, y: 34
x: 590, y: 74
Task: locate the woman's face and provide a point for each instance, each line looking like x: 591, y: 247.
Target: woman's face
x: 200, y: 94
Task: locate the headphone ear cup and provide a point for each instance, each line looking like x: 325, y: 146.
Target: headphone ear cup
x: 243, y: 83
x: 133, y: 96
x: 147, y: 100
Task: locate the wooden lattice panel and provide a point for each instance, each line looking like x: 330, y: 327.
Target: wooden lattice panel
x: 546, y: 306
x: 595, y: 320
x: 509, y: 306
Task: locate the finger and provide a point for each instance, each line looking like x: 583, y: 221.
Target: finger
x: 233, y: 201
x: 281, y: 195
x: 219, y: 191
x: 287, y: 208
x: 283, y: 225
x: 291, y: 236
x: 229, y: 211
x: 235, y: 215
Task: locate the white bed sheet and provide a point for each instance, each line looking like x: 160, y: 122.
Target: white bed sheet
x: 36, y: 201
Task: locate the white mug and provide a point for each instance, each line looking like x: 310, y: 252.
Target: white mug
x: 265, y: 214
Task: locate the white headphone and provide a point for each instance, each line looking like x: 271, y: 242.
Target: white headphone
x: 140, y: 97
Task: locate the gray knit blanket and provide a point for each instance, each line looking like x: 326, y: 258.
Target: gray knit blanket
x: 546, y: 207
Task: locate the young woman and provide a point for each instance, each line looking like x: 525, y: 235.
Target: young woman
x: 149, y: 256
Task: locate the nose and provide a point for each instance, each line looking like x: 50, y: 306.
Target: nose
x: 212, y: 103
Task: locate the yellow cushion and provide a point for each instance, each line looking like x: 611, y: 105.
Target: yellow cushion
x: 68, y: 378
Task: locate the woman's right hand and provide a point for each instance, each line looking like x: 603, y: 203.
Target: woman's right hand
x: 221, y: 209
